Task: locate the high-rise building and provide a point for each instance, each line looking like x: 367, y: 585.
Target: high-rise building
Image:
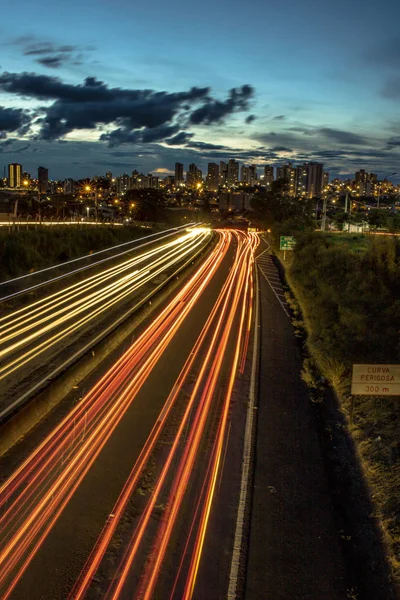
x: 248, y: 174
x: 213, y: 177
x: 315, y: 179
x: 366, y: 184
x: 232, y: 172
x: 178, y: 173
x: 69, y: 186
x: 43, y: 179
x: 268, y: 175
x: 124, y: 183
x: 288, y: 174
x: 109, y: 175
x: 223, y: 172
x: 362, y: 179
x: 14, y: 175
x: 301, y: 181
x: 194, y: 176
x: 154, y: 181
x: 326, y: 179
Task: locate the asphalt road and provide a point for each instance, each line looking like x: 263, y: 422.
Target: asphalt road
x: 60, y: 559
x: 294, y: 549
x: 49, y: 333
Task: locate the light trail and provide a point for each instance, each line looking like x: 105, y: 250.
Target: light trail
x: 37, y: 492
x: 159, y: 237
x: 34, y: 497
x: 90, y: 299
x: 236, y: 289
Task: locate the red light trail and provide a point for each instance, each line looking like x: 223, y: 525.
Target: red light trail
x: 34, y: 497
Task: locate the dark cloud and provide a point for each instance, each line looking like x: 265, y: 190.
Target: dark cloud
x: 52, y: 55
x: 391, y: 89
x: 93, y: 103
x: 280, y: 149
x: 343, y: 137
x: 336, y: 135
x: 297, y: 137
x: 40, y: 48
x: 143, y: 116
x: 215, y: 111
x: 394, y: 142
x: 279, y: 118
x: 53, y: 62
x: 12, y: 119
x: 183, y: 137
x: 250, y: 118
x: 147, y: 135
x: 207, y: 146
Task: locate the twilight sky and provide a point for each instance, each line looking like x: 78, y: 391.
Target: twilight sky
x: 94, y: 85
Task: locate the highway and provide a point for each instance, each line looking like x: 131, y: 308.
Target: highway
x: 116, y: 500
x: 41, y: 334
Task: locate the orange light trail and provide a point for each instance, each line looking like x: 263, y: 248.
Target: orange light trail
x: 37, y: 490
x: 35, y: 496
x: 236, y: 291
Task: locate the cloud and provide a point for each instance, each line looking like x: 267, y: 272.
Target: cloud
x: 394, y: 142
x: 280, y: 149
x: 51, y: 55
x: 207, y: 146
x: 250, y: 118
x: 215, y: 111
x: 40, y: 48
x: 290, y: 136
x: 343, y: 137
x: 279, y: 118
x: 54, y: 61
x: 182, y: 138
x: 146, y: 135
x: 12, y: 119
x: 87, y: 105
x: 139, y: 115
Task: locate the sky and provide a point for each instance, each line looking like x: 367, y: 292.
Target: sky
x: 112, y: 85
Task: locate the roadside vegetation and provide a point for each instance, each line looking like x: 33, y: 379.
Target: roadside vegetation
x: 347, y: 295
x: 31, y: 249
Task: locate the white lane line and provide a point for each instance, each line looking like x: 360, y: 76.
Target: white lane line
x: 246, y: 461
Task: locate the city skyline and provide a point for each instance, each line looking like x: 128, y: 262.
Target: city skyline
x: 310, y: 87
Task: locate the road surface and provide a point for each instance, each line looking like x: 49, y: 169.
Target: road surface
x: 118, y: 499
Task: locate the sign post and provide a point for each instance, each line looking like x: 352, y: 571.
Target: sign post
x: 376, y: 380
x: 287, y: 242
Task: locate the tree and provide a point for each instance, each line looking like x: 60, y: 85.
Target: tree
x: 377, y: 218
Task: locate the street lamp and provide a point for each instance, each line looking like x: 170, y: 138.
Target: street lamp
x: 88, y: 189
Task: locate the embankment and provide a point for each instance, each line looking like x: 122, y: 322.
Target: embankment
x: 347, y: 298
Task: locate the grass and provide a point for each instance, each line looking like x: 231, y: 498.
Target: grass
x: 347, y: 289
x: 28, y: 250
